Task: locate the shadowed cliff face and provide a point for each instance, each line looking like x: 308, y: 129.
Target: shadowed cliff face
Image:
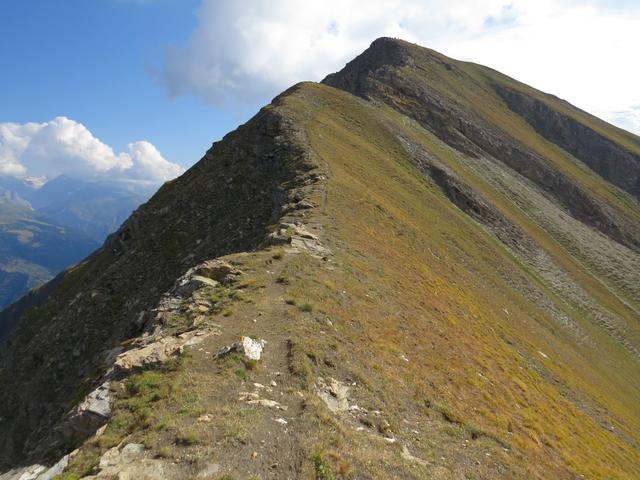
x: 608, y: 159
x: 443, y: 265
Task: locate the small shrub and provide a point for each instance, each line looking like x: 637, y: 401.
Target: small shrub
x: 306, y: 307
x: 164, y: 452
x: 190, y: 404
x: 162, y: 426
x: 329, y: 285
x: 249, y: 364
x: 299, y: 361
x: 235, y: 295
x: 322, y: 468
x: 67, y: 476
x: 144, y: 383
x: 186, y: 439
x: 344, y: 468
x: 171, y: 365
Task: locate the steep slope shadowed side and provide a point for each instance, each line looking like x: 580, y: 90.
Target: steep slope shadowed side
x: 10, y: 315
x: 222, y: 205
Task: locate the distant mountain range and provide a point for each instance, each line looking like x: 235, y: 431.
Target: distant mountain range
x: 44, y: 230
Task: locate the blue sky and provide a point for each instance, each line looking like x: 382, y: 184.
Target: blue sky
x: 94, y: 62
x: 127, y: 89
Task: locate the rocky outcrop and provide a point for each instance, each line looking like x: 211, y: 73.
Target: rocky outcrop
x: 210, y: 272
x: 298, y: 237
x: 89, y: 415
x: 131, y: 461
x: 334, y: 394
x: 156, y: 353
x: 383, y: 55
x: 37, y: 472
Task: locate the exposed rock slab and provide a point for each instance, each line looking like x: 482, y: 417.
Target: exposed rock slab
x: 333, y: 394
x: 132, y: 462
x: 156, y: 353
x: 300, y: 239
x: 37, y: 472
x: 89, y: 415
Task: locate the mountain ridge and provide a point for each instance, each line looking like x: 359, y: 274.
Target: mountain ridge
x: 433, y: 300
x: 509, y: 151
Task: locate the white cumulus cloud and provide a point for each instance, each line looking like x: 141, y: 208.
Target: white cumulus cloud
x: 148, y: 163
x: 65, y: 147
x: 581, y: 50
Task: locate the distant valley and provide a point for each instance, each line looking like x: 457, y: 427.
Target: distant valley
x: 44, y: 230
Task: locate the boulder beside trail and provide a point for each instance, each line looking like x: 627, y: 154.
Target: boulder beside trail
x: 251, y: 348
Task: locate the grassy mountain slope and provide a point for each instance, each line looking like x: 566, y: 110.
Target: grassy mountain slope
x: 458, y: 299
